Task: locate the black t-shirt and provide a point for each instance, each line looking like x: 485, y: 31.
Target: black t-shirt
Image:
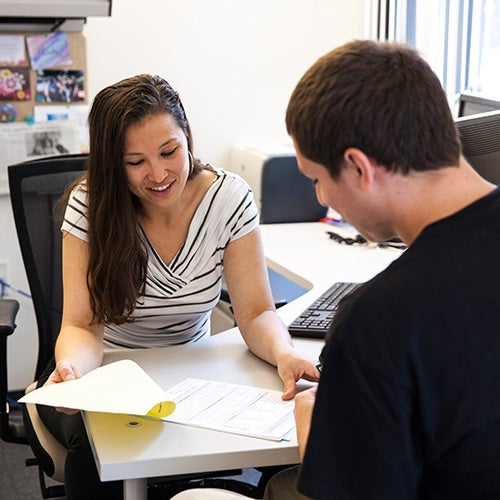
x: 408, y: 404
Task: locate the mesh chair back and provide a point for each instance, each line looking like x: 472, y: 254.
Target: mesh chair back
x: 35, y: 190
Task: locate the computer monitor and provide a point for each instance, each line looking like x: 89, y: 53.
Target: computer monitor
x: 472, y: 104
x: 480, y: 138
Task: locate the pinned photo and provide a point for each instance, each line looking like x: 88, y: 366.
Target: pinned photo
x: 60, y: 86
x: 45, y: 143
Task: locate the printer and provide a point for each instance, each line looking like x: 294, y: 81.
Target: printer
x: 281, y: 192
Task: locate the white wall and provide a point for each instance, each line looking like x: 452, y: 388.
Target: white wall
x: 234, y: 63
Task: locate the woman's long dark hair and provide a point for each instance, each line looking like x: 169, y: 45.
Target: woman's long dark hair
x: 117, y: 258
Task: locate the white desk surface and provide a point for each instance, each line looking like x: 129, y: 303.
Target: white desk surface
x: 126, y: 451
x: 305, y: 254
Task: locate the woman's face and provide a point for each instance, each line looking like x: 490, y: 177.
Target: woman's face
x: 156, y: 160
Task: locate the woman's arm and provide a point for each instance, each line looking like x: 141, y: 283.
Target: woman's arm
x: 264, y: 332
x: 79, y: 346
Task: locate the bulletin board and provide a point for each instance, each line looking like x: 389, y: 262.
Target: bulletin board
x: 43, y: 97
x: 61, y: 82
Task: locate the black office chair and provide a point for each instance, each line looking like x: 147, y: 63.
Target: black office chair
x: 35, y: 189
x: 287, y: 195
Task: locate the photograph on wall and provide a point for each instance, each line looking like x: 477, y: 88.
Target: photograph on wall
x: 49, y: 139
x: 49, y: 51
x: 14, y: 84
x: 60, y: 86
x: 20, y: 142
x: 46, y: 143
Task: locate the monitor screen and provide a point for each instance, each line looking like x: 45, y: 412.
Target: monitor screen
x: 480, y: 138
x: 471, y: 104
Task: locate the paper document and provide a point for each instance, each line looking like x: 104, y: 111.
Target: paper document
x: 233, y: 408
x: 124, y: 387
x: 120, y: 387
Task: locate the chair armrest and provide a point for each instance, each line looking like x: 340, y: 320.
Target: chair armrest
x: 8, y: 313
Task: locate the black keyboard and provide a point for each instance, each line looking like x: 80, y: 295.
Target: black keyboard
x: 315, y: 321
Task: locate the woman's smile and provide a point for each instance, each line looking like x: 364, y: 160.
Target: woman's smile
x: 163, y: 189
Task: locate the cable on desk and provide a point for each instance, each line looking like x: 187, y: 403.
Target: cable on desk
x: 360, y: 240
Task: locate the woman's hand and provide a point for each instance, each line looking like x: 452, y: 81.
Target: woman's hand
x: 293, y: 366
x: 63, y: 372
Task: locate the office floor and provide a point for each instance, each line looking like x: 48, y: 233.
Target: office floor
x: 20, y: 482
x: 16, y: 480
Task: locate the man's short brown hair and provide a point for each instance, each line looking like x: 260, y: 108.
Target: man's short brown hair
x: 381, y: 98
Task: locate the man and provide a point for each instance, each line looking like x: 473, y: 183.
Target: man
x: 408, y: 403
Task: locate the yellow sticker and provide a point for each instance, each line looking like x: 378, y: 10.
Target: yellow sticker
x: 161, y: 410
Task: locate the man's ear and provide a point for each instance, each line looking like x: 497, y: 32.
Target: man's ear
x: 361, y: 166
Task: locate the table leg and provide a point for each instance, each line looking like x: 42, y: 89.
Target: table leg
x: 135, y: 489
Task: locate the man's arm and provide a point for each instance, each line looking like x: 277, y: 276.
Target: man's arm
x: 304, y: 404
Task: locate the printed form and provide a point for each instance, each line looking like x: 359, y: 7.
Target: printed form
x: 124, y: 387
x: 233, y: 408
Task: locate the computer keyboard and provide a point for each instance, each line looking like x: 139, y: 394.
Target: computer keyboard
x: 315, y: 320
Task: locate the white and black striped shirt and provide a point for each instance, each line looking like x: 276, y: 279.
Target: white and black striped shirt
x: 179, y: 297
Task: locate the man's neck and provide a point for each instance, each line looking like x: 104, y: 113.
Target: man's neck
x: 426, y: 197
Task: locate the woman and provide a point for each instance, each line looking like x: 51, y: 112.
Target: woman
x: 147, y: 236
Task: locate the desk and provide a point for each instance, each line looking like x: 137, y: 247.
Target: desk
x: 305, y: 254
x: 126, y: 451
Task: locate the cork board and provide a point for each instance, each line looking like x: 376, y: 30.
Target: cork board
x: 78, y: 51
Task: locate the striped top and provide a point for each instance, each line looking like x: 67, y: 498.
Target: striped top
x: 179, y: 297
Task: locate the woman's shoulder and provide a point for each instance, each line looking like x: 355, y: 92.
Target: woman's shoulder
x: 79, y: 191
x: 230, y: 179
x: 75, y: 216
x: 77, y: 204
